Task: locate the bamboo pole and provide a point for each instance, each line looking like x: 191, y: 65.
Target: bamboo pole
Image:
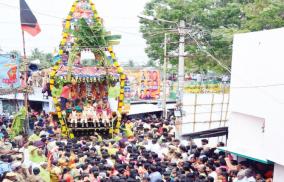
x: 26, y: 126
x: 194, y: 113
x: 212, y: 104
x: 222, y: 107
x: 227, y: 108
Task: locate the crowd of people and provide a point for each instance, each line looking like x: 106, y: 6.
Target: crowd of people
x: 146, y: 150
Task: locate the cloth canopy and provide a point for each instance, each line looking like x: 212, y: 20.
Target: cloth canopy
x: 89, y: 72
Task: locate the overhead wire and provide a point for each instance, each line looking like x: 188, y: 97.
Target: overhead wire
x: 227, y: 69
x: 57, y: 17
x: 40, y: 13
x: 108, y: 28
x: 112, y: 27
x: 209, y: 54
x: 49, y: 24
x: 258, y: 87
x: 62, y: 19
x: 150, y: 34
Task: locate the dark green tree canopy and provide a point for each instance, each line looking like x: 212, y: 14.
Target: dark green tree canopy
x: 45, y: 58
x: 211, y: 25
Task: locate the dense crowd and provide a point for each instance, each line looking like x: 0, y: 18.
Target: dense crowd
x: 146, y: 150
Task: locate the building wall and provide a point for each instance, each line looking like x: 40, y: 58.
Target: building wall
x: 257, y: 85
x: 246, y: 135
x: 45, y: 107
x: 278, y: 173
x: 10, y: 106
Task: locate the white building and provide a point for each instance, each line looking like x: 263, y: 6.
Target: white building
x: 11, y: 102
x: 256, y: 125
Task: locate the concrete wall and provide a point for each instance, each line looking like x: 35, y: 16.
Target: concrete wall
x: 257, y: 85
x: 246, y: 135
x: 278, y: 173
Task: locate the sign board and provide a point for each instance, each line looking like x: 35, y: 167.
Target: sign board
x: 142, y: 84
x: 9, y: 71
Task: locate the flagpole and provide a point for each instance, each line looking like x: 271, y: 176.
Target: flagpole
x: 26, y: 82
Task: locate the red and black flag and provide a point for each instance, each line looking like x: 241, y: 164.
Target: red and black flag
x: 28, y: 20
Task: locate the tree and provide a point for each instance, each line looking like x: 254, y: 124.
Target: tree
x: 211, y: 25
x: 131, y: 63
x: 45, y: 58
x: 16, y: 53
x: 36, y: 54
x: 151, y: 63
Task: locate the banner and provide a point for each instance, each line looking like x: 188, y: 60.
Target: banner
x: 9, y: 71
x: 150, y: 85
x: 143, y: 84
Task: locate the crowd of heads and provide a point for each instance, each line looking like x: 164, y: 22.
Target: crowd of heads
x: 151, y: 153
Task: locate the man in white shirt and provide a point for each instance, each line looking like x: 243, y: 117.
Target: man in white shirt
x: 249, y: 175
x: 146, y: 126
x: 212, y: 172
x: 155, y: 147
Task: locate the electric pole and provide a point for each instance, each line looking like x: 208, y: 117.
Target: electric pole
x: 165, y: 78
x: 181, y: 31
x: 181, y: 60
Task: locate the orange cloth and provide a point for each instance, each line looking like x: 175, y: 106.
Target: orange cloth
x: 68, y: 178
x: 65, y: 92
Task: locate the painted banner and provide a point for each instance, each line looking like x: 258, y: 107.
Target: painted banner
x: 9, y: 71
x: 143, y: 84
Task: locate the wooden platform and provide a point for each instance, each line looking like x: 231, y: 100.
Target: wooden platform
x: 98, y: 128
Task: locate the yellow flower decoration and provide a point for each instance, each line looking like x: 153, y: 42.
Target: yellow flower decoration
x: 72, y: 9
x: 116, y: 64
x: 67, y: 25
x: 119, y: 69
x: 52, y: 73
x: 123, y: 77
x: 63, y: 41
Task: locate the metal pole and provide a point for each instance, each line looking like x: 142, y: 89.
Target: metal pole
x: 181, y: 60
x: 165, y: 79
x: 181, y: 66
x: 26, y: 82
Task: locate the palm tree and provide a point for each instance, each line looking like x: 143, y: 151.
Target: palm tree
x: 37, y: 54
